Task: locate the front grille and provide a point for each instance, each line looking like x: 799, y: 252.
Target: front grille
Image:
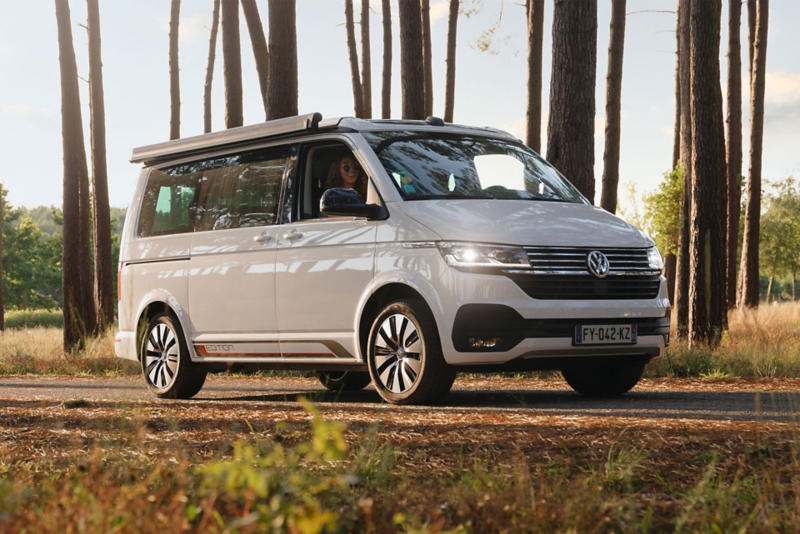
x: 571, y: 260
x: 583, y: 287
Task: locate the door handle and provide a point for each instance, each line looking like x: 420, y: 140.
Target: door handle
x: 293, y: 235
x: 263, y: 238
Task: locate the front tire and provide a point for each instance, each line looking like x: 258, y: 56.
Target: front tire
x: 343, y: 380
x: 604, y: 382
x: 404, y: 355
x: 166, y: 364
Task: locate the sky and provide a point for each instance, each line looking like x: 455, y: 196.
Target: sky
x: 490, y: 86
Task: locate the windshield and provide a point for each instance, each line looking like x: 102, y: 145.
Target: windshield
x: 425, y: 166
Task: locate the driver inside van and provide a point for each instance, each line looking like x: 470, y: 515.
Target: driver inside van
x: 346, y: 171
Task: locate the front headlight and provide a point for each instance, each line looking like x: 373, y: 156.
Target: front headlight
x: 654, y: 259
x: 472, y: 255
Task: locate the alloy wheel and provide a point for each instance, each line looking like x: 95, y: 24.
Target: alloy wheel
x: 161, y: 356
x: 398, y: 353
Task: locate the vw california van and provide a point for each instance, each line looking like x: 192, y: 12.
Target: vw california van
x: 396, y: 253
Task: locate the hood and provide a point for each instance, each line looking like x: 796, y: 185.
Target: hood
x: 525, y: 222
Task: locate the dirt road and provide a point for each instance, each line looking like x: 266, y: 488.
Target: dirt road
x: 671, y: 399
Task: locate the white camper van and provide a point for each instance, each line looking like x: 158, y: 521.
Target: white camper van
x: 396, y: 253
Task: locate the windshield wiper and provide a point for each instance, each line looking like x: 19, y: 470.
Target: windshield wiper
x: 450, y: 196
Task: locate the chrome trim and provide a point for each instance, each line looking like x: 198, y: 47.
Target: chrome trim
x: 420, y: 244
x: 582, y: 272
x: 573, y: 261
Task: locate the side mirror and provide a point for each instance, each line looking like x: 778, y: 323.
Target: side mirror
x: 345, y: 202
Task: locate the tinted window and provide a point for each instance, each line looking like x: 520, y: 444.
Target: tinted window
x: 222, y: 193
x: 428, y: 166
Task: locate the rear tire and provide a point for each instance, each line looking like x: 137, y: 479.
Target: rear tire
x: 344, y: 380
x: 607, y: 381
x: 404, y: 355
x: 166, y: 364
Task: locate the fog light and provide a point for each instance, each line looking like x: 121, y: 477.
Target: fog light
x: 484, y: 342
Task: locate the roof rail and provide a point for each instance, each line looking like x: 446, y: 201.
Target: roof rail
x: 225, y: 138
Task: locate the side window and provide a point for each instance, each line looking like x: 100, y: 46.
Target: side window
x: 325, y: 167
x: 230, y: 192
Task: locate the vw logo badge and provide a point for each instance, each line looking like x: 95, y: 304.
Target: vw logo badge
x: 597, y: 263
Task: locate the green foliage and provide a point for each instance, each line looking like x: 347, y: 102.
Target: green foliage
x: 779, y: 245
x: 34, y: 318
x: 663, y: 211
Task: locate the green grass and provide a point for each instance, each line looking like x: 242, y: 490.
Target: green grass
x: 33, y: 318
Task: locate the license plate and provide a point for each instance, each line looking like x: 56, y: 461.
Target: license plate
x: 605, y: 334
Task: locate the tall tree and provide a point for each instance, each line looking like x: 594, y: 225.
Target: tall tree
x: 282, y: 87
x: 616, y: 48
x: 366, y: 62
x: 386, y: 89
x: 450, y: 77
x: 212, y: 56
x: 2, y: 219
x: 232, y: 64
x: 734, y: 148
x: 752, y: 19
x: 748, y: 271
x: 174, y: 71
x: 103, y: 272
x: 358, y: 93
x: 427, y: 56
x: 570, y: 130
x: 682, y: 283
x: 412, y: 74
x: 533, y: 137
x: 78, y: 306
x: 676, y: 139
x: 708, y: 303
x: 259, y: 43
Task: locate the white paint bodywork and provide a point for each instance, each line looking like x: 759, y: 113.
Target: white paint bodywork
x: 300, y: 297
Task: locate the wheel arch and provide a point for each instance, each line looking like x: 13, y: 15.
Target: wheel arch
x: 148, y: 311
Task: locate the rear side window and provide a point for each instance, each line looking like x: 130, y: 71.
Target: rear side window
x: 222, y: 193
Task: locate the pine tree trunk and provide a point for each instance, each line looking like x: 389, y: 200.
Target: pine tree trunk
x: 734, y: 142
x: 708, y: 303
x: 232, y: 64
x: 75, y: 270
x: 616, y: 49
x: 752, y: 19
x: 682, y: 285
x: 752, y: 219
x: 2, y: 303
x: 570, y: 129
x: 794, y: 280
x: 358, y: 92
x: 212, y: 56
x: 386, y: 89
x: 366, y: 61
x: 282, y: 93
x: 103, y: 272
x: 769, y: 288
x: 174, y: 71
x: 450, y: 77
x: 670, y: 266
x: 427, y: 56
x: 259, y: 43
x: 533, y: 136
x: 412, y: 74
x: 676, y: 139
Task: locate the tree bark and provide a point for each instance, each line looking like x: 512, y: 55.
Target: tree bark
x: 358, y: 93
x: 670, y: 268
x: 174, y: 71
x: 676, y: 140
x: 769, y: 288
x: 212, y: 56
x: 259, y: 43
x: 103, y: 272
x: 616, y: 49
x: 570, y: 130
x: 450, y: 77
x: 2, y: 304
x: 734, y: 148
x: 748, y: 271
x: 794, y: 278
x: 232, y: 64
x: 682, y: 285
x: 282, y: 93
x: 76, y: 272
x: 533, y: 116
x: 366, y: 61
x: 427, y: 56
x: 708, y: 303
x: 386, y: 90
x: 752, y: 16
x: 412, y: 74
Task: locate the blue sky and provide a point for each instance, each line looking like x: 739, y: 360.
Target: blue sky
x: 490, y: 88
